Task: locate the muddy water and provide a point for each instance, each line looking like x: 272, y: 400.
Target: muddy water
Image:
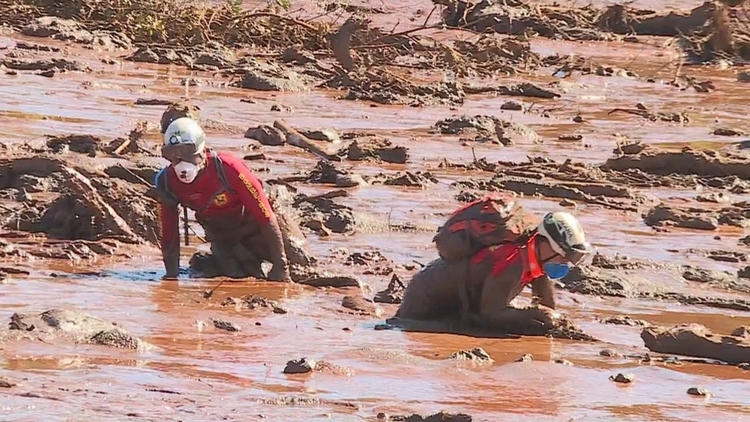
x: 199, y: 373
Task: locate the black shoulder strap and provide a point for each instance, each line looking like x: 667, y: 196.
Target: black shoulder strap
x: 220, y: 171
x: 162, y: 185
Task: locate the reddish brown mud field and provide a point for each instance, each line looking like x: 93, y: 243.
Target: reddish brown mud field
x: 641, y: 140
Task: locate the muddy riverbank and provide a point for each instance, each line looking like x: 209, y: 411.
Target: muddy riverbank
x: 398, y: 130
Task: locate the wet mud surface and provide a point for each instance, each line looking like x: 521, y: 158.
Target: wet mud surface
x: 369, y: 124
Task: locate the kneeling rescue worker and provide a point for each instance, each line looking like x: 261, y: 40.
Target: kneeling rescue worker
x: 228, y: 200
x: 490, y: 250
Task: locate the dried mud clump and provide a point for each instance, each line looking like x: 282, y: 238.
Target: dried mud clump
x: 487, y: 129
x: 70, y: 326
x: 698, y: 341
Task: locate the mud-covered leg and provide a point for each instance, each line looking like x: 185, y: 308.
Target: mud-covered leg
x: 226, y: 260
x: 433, y: 292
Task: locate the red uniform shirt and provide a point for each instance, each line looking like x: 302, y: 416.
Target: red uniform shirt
x: 248, y: 197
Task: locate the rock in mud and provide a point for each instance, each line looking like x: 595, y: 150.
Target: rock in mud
x: 266, y: 135
x: 622, y: 378
x: 698, y: 341
x: 714, y: 197
x: 225, y: 325
x: 526, y: 357
x: 393, y: 294
x: 178, y: 110
x: 71, y: 325
x: 375, y: 149
x: 300, y: 366
x: 625, y: 320
x: 486, y: 128
x: 476, y: 354
x: 359, y: 305
x: 82, y: 144
x: 252, y: 302
x: 70, y: 30
x: 437, y: 417
x: 319, y: 211
x: 327, y: 172
x: 699, y: 392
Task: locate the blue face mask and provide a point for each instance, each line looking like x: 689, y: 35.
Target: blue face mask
x: 556, y: 271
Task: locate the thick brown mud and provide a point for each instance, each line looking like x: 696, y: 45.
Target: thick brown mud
x: 370, y: 123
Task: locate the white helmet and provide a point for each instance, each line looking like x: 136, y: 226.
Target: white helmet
x: 185, y: 131
x: 565, y: 235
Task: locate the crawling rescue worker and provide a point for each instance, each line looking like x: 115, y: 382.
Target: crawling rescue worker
x: 228, y: 200
x: 489, y: 254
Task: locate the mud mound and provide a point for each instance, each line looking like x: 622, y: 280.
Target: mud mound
x: 386, y: 87
x: 580, y: 23
x: 528, y: 321
x: 86, y: 204
x: 487, y: 128
x: 688, y: 161
x: 70, y: 326
x: 572, y: 181
x: 737, y: 215
x: 723, y: 34
x: 638, y: 282
x: 698, y: 341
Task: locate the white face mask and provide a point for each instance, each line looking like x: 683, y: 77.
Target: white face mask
x: 186, y: 172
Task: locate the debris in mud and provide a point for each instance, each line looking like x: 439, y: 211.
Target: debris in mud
x: 625, y: 320
x: 91, y: 210
x: 72, y: 325
x: 728, y: 132
x: 252, y: 302
x: 393, y: 294
x: 714, y: 197
x: 622, y: 378
x: 327, y: 172
x: 4, y: 383
x: 308, y: 401
x: 365, y: 258
x: 526, y: 357
x: 331, y: 281
x: 699, y: 392
x: 176, y: 111
x: 476, y: 354
x: 359, y: 305
x: 153, y: 102
x: 417, y: 180
x: 82, y: 144
x: 377, y: 149
x: 437, y: 417
x: 225, y: 325
x: 697, y: 340
x: 641, y: 111
x: 45, y: 65
x: 320, y: 211
x: 487, y: 128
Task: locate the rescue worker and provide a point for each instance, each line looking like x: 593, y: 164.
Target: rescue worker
x: 478, y: 290
x: 228, y: 200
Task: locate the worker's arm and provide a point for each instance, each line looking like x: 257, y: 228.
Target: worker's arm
x: 169, y: 229
x: 250, y: 192
x: 543, y: 291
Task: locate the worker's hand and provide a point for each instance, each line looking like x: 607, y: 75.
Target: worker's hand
x: 279, y: 273
x: 544, y: 315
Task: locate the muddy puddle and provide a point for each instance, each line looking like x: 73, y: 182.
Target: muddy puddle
x: 660, y: 190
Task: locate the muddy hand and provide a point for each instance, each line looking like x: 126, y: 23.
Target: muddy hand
x: 279, y: 272
x: 545, y: 316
